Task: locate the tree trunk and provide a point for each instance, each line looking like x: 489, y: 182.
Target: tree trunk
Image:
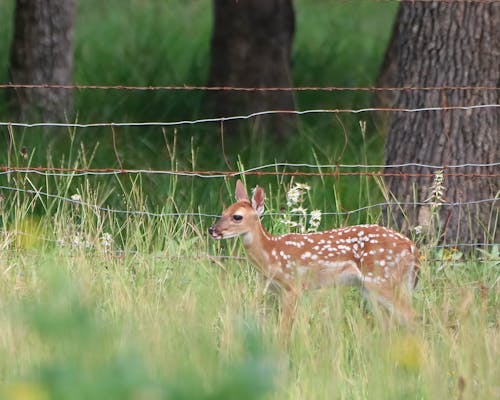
x: 251, y: 48
x: 447, y: 44
x: 42, y: 53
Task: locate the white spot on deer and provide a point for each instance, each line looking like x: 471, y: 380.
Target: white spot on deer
x: 305, y: 255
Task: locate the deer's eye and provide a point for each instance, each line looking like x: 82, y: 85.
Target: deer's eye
x: 237, y: 217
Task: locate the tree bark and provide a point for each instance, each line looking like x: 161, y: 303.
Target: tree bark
x: 42, y: 53
x: 447, y: 44
x: 251, y: 48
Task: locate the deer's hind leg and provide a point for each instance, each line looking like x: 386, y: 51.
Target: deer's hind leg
x: 396, y: 300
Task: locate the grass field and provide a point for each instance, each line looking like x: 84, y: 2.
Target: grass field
x: 95, y: 305
x: 99, y: 304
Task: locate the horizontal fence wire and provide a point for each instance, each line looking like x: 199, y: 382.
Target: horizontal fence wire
x: 366, y: 170
x: 224, y: 174
x: 250, y: 89
x: 78, y: 201
x: 246, y: 117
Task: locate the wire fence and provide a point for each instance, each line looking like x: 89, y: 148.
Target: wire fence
x: 470, y: 170
x: 250, y: 89
x: 372, y: 170
x: 246, y: 117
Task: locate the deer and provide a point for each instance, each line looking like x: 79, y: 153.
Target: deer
x: 380, y: 261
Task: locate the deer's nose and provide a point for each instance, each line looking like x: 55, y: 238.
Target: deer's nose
x: 211, y: 230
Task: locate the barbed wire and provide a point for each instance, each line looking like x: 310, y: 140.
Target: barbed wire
x: 78, y: 201
x: 248, y: 89
x: 244, y: 117
x: 78, y: 172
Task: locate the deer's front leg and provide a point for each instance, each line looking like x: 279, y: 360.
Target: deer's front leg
x: 289, y: 299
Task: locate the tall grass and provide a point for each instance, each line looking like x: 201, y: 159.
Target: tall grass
x: 145, y: 312
x: 97, y: 304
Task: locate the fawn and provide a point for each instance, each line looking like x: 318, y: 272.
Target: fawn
x: 382, y: 262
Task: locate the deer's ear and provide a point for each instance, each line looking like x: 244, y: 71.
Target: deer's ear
x: 258, y: 199
x: 241, y: 193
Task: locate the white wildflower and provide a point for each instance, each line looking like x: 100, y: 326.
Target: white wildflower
x: 304, y: 187
x: 106, y: 241
x: 292, y: 197
x: 299, y: 210
x: 79, y: 242
x: 301, y: 213
x: 294, y: 201
x: 76, y: 197
x: 437, y: 190
x: 314, y: 220
x: 295, y: 195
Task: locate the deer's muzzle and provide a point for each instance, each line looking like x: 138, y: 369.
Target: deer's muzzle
x: 214, y: 232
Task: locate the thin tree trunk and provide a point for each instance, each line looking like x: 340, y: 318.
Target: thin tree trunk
x: 448, y: 44
x: 251, y: 48
x: 42, y: 53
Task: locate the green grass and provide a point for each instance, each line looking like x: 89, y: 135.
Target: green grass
x: 156, y: 312
x: 149, y: 314
x: 100, y: 304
